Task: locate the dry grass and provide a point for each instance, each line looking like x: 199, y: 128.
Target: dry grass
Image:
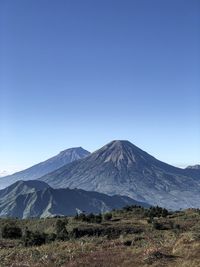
x: 173, y: 247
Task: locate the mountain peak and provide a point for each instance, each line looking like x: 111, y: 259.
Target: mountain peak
x: 120, y: 143
x: 78, y: 150
x: 123, y: 144
x: 122, y: 152
x: 72, y: 154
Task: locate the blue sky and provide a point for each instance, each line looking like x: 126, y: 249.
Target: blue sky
x: 82, y: 73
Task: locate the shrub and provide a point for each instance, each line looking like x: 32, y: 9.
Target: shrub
x: 176, y: 226
x: 80, y: 217
x: 107, y: 216
x: 159, y: 226
x: 90, y: 218
x: 150, y: 220
x: 51, y: 237
x: 11, y: 231
x: 110, y: 232
x: 128, y: 243
x: 157, y: 212
x: 34, y: 238
x: 132, y: 208
x: 98, y: 218
x: 61, y: 232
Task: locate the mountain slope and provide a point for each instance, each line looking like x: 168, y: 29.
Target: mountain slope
x: 122, y: 168
x: 26, y: 199
x: 40, y: 169
x: 9, y: 196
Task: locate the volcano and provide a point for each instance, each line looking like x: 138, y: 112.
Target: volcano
x: 124, y: 169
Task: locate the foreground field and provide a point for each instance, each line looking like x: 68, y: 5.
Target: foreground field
x: 130, y: 237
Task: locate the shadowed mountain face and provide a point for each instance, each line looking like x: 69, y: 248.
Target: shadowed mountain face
x: 122, y: 168
x: 26, y: 199
x: 40, y: 169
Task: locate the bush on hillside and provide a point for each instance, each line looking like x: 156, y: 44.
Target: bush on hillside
x: 11, y: 231
x: 109, y: 232
x: 34, y: 238
x: 61, y: 231
x: 159, y: 226
x: 157, y: 212
x: 107, y: 216
x: 90, y: 218
x: 132, y: 207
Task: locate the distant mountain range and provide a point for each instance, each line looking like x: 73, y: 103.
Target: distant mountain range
x: 118, y: 168
x: 122, y: 168
x: 38, y: 170
x: 25, y: 199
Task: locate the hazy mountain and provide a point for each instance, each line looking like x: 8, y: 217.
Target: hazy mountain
x: 40, y: 169
x: 3, y: 173
x: 26, y: 199
x: 122, y: 168
x: 194, y: 167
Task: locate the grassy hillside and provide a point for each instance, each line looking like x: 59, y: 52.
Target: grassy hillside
x: 132, y: 236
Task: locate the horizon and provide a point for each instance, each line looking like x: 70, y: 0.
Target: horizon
x: 84, y: 74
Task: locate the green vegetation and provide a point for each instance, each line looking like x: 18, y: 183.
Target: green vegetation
x: 90, y: 218
x: 107, y: 216
x: 11, y: 231
x: 61, y: 231
x: 34, y: 238
x: 132, y: 236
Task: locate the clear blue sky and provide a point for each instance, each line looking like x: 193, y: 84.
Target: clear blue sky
x: 82, y: 73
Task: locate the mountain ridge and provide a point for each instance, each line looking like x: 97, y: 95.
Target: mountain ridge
x: 34, y: 198
x: 36, y: 171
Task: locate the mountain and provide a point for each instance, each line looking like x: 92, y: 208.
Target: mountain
x: 194, y: 167
x: 22, y: 187
x: 193, y: 171
x: 3, y: 173
x: 25, y: 199
x: 122, y: 168
x: 9, y: 197
x: 40, y: 169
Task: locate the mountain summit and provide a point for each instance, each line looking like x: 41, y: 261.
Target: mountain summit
x: 122, y: 152
x: 122, y: 168
x: 40, y: 169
